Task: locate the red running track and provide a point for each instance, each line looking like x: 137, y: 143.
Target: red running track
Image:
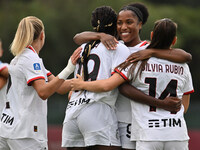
x: 55, y: 132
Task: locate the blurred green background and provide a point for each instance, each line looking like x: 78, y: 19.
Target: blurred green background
x: 64, y: 18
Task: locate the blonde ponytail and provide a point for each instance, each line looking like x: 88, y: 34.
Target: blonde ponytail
x: 28, y: 30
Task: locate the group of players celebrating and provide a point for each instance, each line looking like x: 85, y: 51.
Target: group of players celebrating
x: 115, y: 102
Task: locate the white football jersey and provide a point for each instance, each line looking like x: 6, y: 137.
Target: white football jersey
x: 25, y: 115
x: 3, y: 90
x: 123, y: 104
x: 160, y: 78
x: 101, y: 64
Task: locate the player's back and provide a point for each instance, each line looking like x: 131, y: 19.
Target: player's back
x: 160, y: 78
x: 101, y: 63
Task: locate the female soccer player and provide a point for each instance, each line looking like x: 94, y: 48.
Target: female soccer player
x: 154, y: 128
x: 130, y: 20
x: 3, y: 80
x: 90, y: 119
x: 24, y: 118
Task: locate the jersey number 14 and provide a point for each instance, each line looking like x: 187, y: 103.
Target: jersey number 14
x: 170, y: 90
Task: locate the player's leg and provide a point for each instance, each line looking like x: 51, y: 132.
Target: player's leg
x: 125, y: 135
x: 4, y: 144
x: 98, y: 125
x: 27, y: 144
x: 176, y: 145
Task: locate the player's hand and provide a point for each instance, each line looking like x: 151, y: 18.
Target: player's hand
x: 77, y: 83
x: 109, y: 41
x: 172, y: 104
x: 140, y: 55
x: 76, y: 55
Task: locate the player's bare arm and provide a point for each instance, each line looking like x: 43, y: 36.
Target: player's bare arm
x: 4, y: 72
x: 3, y: 77
x: 174, y: 55
x: 99, y: 85
x: 64, y: 88
x: 186, y: 102
x: 3, y: 81
x: 169, y: 103
x: 108, y: 40
x: 44, y: 89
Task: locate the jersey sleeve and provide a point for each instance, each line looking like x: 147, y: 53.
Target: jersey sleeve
x: 33, y: 70
x: 48, y: 73
x: 188, y: 88
x: 121, y: 54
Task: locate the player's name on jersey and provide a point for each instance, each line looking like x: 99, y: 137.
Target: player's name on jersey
x: 166, y: 68
x: 167, y: 122
x: 77, y: 102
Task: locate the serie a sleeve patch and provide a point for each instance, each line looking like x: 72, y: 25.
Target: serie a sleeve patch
x: 36, y: 66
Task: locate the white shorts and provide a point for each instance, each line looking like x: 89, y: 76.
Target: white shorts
x: 96, y: 125
x: 125, y: 135
x: 170, y: 145
x: 22, y: 144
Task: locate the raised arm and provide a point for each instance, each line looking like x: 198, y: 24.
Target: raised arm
x: 174, y: 55
x: 64, y: 88
x: 99, y: 85
x: 109, y: 41
x: 45, y: 90
x: 169, y: 103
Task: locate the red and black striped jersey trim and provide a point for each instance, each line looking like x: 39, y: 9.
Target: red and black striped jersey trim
x: 120, y: 73
x: 186, y: 93
x: 48, y: 74
x: 144, y: 43
x: 3, y: 68
x: 30, y: 47
x: 29, y: 82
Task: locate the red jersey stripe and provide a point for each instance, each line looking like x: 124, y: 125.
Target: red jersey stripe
x: 186, y: 93
x: 30, y: 47
x: 119, y: 72
x: 33, y: 79
x: 3, y: 68
x: 48, y: 74
x: 144, y: 43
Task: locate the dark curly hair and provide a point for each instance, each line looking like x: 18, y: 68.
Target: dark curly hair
x: 139, y: 9
x: 103, y: 19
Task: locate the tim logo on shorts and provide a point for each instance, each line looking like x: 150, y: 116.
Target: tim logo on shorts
x: 36, y: 66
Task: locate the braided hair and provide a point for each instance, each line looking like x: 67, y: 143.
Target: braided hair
x: 103, y: 20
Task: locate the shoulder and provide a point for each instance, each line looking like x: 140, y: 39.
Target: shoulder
x: 121, y: 45
x: 30, y: 55
x: 122, y: 48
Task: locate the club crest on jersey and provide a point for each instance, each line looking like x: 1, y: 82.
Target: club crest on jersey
x: 37, y: 67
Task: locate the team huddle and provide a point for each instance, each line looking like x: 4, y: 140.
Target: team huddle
x: 126, y: 94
